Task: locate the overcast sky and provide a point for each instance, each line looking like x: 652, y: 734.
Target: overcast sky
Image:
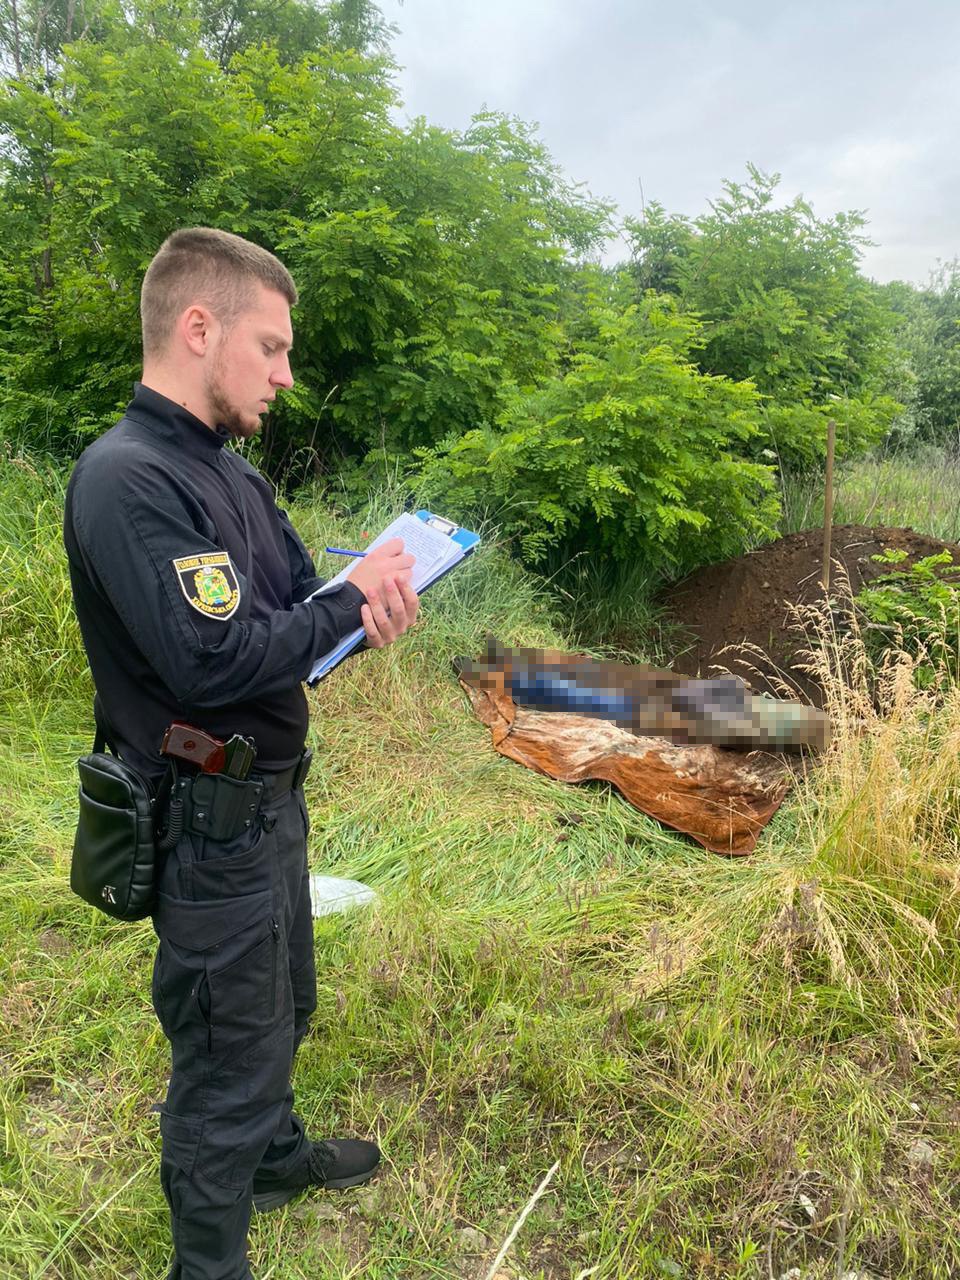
x: 856, y: 104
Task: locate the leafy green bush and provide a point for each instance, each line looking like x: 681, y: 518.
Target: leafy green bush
x: 916, y: 609
x: 631, y: 454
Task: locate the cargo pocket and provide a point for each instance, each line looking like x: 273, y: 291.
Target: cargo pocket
x: 232, y: 869
x: 179, y: 995
x: 218, y: 967
x: 181, y: 1141
x: 243, y: 993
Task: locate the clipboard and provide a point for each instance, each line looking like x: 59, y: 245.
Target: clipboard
x: 436, y: 554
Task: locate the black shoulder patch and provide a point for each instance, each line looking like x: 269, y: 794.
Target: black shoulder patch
x: 209, y: 583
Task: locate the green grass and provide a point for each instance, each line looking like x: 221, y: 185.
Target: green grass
x: 733, y: 1060
x: 920, y: 490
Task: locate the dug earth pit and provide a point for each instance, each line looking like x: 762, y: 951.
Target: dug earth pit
x: 747, y: 604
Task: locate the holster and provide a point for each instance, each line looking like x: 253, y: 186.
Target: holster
x: 219, y: 807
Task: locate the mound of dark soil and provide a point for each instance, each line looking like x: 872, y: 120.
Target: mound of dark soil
x: 746, y: 601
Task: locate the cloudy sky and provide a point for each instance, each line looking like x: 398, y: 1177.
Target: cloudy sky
x: 856, y: 104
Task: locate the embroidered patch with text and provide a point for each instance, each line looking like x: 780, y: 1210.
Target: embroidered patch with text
x: 209, y: 583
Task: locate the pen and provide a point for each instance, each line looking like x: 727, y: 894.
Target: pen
x: 339, y: 551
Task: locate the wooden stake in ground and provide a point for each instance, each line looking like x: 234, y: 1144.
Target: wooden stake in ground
x: 828, y: 504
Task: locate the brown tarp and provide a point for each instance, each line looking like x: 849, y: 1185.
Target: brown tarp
x: 722, y: 798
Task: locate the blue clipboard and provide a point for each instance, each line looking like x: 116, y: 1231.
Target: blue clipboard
x: 465, y: 540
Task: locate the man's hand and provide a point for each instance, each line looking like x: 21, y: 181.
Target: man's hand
x: 383, y: 575
x: 387, y: 617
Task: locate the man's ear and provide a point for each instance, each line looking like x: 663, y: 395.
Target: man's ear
x: 197, y: 327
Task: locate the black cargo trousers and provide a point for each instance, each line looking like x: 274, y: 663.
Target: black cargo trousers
x: 234, y: 985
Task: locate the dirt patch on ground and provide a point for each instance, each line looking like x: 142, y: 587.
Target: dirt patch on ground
x: 745, y: 603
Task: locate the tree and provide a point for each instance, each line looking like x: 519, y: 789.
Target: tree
x: 33, y: 32
x: 438, y: 292
x: 928, y: 330
x: 295, y: 28
x: 784, y: 304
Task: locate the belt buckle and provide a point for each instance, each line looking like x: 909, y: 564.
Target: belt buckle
x: 301, y: 769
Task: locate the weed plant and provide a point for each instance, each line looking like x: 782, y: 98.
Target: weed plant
x: 916, y: 609
x: 742, y: 1065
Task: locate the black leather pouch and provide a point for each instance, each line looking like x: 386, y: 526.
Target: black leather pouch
x: 114, y: 851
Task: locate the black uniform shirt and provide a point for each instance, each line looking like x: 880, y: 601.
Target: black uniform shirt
x: 189, y: 586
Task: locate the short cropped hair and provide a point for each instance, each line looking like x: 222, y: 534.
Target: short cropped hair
x: 207, y: 266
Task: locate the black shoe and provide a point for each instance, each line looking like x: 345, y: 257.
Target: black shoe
x: 330, y: 1165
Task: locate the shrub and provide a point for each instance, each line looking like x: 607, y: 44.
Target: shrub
x: 632, y: 453
x: 916, y: 609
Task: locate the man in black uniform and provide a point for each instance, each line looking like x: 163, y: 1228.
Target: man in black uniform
x: 191, y: 588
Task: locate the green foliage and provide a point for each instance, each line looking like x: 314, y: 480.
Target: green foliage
x: 915, y: 609
x: 929, y: 334
x: 294, y: 27
x: 33, y: 33
x: 427, y: 301
x: 98, y: 186
x: 783, y: 303
x: 796, y: 433
x: 431, y: 263
x: 630, y: 454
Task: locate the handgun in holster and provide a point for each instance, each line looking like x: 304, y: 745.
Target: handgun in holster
x: 216, y: 798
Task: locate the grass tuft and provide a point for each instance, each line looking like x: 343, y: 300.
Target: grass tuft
x: 919, y: 490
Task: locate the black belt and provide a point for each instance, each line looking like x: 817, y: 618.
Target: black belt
x: 286, y: 779
x: 276, y: 780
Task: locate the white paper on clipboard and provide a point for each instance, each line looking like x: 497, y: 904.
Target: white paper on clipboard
x: 436, y: 545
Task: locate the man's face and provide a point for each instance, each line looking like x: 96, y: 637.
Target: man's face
x: 250, y: 363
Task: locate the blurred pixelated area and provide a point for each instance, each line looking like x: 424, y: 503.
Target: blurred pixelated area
x: 702, y: 756
x: 646, y: 701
